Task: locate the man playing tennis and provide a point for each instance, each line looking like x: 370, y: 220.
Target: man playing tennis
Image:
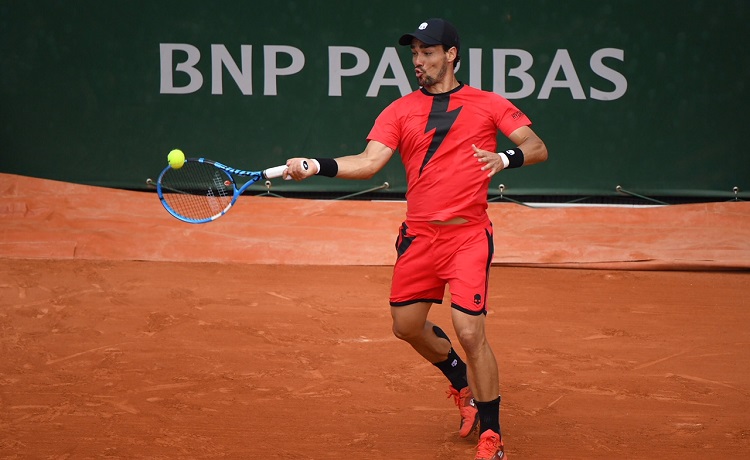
x: 446, y: 134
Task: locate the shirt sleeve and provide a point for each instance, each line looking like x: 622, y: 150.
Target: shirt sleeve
x: 386, y: 129
x: 509, y: 117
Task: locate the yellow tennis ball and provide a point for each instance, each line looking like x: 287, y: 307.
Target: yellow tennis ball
x: 176, y: 159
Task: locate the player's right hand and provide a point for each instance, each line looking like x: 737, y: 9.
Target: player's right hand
x: 299, y: 169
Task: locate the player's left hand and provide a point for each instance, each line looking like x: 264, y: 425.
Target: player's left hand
x: 492, y: 162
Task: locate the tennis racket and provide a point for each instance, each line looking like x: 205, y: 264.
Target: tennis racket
x: 203, y: 190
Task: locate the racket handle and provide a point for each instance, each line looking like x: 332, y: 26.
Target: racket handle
x: 273, y: 173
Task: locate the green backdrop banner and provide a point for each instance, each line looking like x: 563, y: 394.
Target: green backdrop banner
x: 647, y: 95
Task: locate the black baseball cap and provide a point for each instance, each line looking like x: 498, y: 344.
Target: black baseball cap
x: 434, y: 31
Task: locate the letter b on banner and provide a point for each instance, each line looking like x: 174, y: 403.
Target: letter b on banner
x: 166, y: 53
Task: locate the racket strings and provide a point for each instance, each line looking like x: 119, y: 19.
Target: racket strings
x: 197, y: 191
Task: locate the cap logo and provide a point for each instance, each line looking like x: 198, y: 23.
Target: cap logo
x: 423, y: 26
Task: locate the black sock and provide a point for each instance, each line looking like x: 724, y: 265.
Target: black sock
x: 489, y: 415
x: 453, y: 368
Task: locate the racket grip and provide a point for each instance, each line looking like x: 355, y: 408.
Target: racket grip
x: 273, y: 173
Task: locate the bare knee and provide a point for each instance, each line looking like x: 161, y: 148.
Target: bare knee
x: 472, y: 340
x: 409, y: 321
x: 406, y: 332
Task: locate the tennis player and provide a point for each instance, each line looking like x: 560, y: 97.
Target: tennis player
x: 446, y: 133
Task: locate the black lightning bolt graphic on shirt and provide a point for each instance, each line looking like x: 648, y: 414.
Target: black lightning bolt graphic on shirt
x: 441, y: 121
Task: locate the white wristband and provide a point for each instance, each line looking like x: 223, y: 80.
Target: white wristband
x: 317, y: 165
x: 504, y: 157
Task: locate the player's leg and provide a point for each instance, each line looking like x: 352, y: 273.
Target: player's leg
x: 410, y: 325
x: 432, y: 343
x: 470, y: 267
x: 480, y: 360
x: 483, y: 375
x: 469, y: 287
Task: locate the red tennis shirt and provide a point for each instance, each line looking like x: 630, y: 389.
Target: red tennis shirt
x: 433, y: 134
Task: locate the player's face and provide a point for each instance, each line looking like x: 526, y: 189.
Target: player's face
x: 430, y: 63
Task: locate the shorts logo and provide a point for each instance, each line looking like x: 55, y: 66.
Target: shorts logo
x: 477, y: 299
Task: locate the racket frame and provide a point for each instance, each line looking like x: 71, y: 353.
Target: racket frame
x: 252, y: 177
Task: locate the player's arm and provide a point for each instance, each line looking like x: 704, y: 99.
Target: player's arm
x: 530, y: 149
x: 360, y: 166
x: 532, y: 146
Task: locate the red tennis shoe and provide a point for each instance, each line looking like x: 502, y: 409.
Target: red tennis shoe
x: 464, y: 399
x: 490, y: 447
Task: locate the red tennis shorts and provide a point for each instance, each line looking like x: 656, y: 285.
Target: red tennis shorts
x: 431, y: 256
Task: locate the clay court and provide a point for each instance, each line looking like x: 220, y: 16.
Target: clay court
x: 621, y: 332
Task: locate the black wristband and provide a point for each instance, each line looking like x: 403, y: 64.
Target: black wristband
x: 515, y: 157
x: 328, y: 167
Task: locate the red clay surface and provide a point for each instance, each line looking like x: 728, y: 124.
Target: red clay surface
x: 127, y: 334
